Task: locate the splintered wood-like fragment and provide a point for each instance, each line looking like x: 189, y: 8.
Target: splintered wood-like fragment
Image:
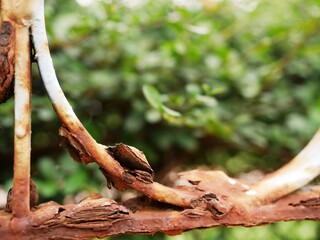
x: 106, y: 211
x: 75, y: 147
x: 7, y: 44
x: 130, y: 157
x: 133, y: 160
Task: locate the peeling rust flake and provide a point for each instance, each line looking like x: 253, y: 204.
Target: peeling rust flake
x: 6, y: 60
x: 193, y: 213
x: 313, y: 202
x: 134, y: 161
x: 218, y: 208
x: 130, y: 157
x: 75, y: 147
x: 97, y: 213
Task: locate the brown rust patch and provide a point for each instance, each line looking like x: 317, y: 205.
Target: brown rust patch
x: 312, y: 202
x: 34, y: 197
x: 218, y: 208
x: 133, y: 161
x: 7, y: 42
x: 75, y: 146
x: 130, y: 157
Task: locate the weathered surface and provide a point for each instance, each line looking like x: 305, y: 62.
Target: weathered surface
x: 34, y: 198
x: 206, y: 199
x: 6, y: 60
x: 133, y: 161
x: 83, y: 148
x: 100, y: 217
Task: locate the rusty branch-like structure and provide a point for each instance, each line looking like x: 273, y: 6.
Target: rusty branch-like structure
x: 17, y: 17
x: 207, y: 199
x: 100, y: 217
x: 22, y: 124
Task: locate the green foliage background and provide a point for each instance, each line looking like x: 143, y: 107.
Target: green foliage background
x: 228, y: 84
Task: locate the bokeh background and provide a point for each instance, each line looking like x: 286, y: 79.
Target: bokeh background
x: 218, y: 84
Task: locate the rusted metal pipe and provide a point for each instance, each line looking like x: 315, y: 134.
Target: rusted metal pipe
x: 22, y: 125
x: 19, y: 13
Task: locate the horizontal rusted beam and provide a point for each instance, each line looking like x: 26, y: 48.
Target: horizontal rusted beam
x: 100, y: 217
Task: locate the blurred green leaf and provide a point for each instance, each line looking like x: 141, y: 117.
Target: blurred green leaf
x: 47, y: 189
x: 48, y: 168
x: 153, y: 96
x: 77, y: 181
x: 170, y: 112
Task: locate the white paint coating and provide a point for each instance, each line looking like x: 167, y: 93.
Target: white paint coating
x: 20, y: 131
x: 21, y: 86
x: 296, y: 174
x: 22, y: 98
x: 56, y: 95
x: 232, y: 181
x: 251, y: 192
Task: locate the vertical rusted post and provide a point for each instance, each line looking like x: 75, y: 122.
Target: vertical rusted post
x: 19, y: 12
x: 22, y: 125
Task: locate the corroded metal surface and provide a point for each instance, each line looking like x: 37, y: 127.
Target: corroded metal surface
x: 34, y: 198
x: 7, y: 41
x: 99, y: 217
x: 211, y: 199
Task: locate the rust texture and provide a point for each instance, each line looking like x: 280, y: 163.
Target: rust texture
x: 99, y: 217
x: 133, y: 161
x: 205, y: 199
x: 75, y: 146
x: 7, y: 42
x: 132, y: 174
x: 22, y: 124
x: 34, y: 197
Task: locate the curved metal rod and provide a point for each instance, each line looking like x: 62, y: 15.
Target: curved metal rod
x: 297, y: 173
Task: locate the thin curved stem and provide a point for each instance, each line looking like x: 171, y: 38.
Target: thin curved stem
x: 56, y: 95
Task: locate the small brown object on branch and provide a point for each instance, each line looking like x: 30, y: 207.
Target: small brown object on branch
x: 7, y: 40
x: 34, y: 197
x: 133, y: 160
x: 75, y: 147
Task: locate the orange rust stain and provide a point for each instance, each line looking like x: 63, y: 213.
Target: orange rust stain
x: 20, y: 195
x: 18, y: 11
